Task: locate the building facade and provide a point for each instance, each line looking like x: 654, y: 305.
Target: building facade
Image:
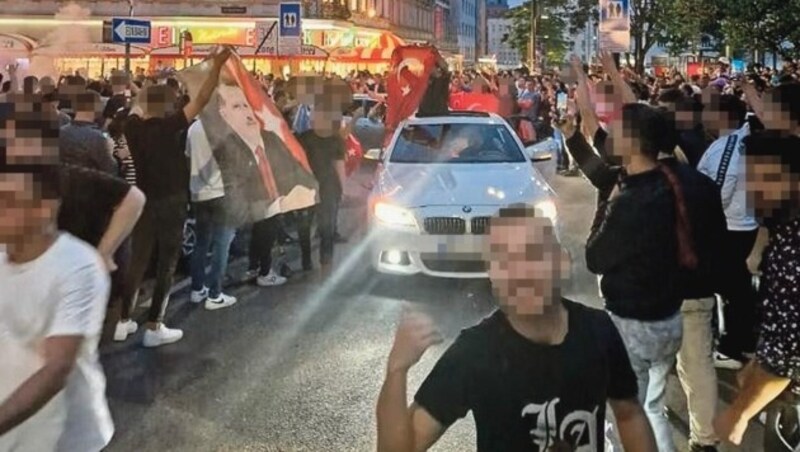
x: 326, y: 24
x: 498, y: 30
x: 465, y: 14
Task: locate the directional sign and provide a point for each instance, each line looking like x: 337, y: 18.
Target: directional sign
x: 130, y: 31
x: 290, y: 30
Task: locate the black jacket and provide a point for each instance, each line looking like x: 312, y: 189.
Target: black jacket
x: 708, y: 232
x: 633, y: 244
x: 704, y: 207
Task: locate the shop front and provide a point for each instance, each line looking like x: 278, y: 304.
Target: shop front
x: 310, y: 59
x: 15, y: 49
x: 90, y: 60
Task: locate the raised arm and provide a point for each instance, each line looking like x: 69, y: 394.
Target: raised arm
x: 622, y: 89
x: 198, y: 102
x: 402, y: 428
x: 583, y: 98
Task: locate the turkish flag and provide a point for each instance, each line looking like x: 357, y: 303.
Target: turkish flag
x: 411, y: 67
x: 354, y: 154
x: 488, y: 103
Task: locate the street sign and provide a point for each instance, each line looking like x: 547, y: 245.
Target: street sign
x: 289, y: 28
x: 270, y: 46
x: 130, y: 31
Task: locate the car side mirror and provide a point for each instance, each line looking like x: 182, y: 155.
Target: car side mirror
x: 375, y: 154
x: 542, y: 151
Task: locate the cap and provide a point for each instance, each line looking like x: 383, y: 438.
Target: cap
x: 724, y: 61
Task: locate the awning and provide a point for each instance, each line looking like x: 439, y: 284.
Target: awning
x: 89, y: 50
x: 379, y: 50
x: 16, y: 45
x: 204, y: 50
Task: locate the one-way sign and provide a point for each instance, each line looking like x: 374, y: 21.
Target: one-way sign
x: 130, y: 31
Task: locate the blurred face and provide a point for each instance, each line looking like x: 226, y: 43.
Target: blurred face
x: 326, y: 121
x: 771, y: 186
x: 22, y: 211
x: 621, y: 143
x: 527, y: 265
x: 717, y: 121
x: 235, y: 110
x: 776, y: 113
x: 686, y: 118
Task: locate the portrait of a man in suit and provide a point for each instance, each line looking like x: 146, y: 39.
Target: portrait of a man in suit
x: 261, y: 177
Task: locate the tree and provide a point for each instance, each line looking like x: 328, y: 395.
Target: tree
x: 764, y: 25
x: 689, y: 21
x: 562, y: 16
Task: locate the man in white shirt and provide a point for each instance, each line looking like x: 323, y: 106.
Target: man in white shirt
x: 53, y: 302
x: 722, y: 162
x: 213, y: 231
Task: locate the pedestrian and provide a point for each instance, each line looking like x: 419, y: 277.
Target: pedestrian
x: 722, y: 163
x: 534, y: 369
x: 641, y: 244
x: 82, y: 142
x: 213, y: 231
x: 54, y: 298
x: 121, y: 92
x: 772, y: 379
x: 155, y: 135
x: 325, y: 149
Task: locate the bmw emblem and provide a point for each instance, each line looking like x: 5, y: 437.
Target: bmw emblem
x: 466, y: 209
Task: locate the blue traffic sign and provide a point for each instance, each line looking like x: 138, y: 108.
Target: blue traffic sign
x: 130, y: 31
x: 289, y: 20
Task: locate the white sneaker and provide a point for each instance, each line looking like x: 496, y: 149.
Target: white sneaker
x: 199, y: 296
x: 161, y: 336
x: 124, y: 329
x: 272, y: 279
x: 725, y: 362
x: 222, y: 301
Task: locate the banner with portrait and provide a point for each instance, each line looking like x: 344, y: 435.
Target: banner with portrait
x: 265, y: 171
x: 615, y: 26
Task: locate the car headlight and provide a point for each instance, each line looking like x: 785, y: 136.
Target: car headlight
x: 548, y: 209
x: 394, y: 215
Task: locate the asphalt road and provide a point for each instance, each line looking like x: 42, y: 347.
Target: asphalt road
x: 299, y: 367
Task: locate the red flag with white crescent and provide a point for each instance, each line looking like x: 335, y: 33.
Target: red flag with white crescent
x: 411, y: 67
x: 488, y: 103
x: 354, y: 154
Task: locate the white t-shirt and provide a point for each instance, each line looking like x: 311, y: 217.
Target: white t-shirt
x: 64, y: 292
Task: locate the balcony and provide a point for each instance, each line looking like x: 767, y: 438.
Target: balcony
x: 331, y: 10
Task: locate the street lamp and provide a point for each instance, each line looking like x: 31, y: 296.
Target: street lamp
x: 127, y: 45
x: 535, y: 16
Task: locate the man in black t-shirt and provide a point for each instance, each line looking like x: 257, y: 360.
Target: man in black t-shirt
x: 536, y: 374
x: 155, y: 132
x: 325, y: 149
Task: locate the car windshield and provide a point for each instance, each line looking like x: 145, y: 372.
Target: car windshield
x: 456, y: 143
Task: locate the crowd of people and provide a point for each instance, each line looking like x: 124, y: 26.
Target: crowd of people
x: 686, y: 172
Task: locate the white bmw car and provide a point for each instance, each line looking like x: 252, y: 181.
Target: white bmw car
x: 438, y: 183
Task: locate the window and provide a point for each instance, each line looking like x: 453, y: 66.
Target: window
x: 456, y: 143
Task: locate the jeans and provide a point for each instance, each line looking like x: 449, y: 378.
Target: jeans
x: 652, y: 347
x: 210, y: 235
x: 160, y: 230
x: 740, y: 309
x: 782, y: 429
x: 326, y: 212
x: 696, y: 369
x: 262, y: 239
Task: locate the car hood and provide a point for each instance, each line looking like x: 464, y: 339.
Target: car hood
x: 422, y: 185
